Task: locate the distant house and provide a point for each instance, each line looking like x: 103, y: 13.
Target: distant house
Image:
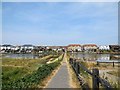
x: 16, y: 49
x: 6, y: 48
x: 115, y: 48
x: 90, y: 48
x: 40, y: 49
x: 74, y: 47
x: 1, y: 49
x: 55, y: 48
x: 104, y: 47
x: 52, y: 48
x: 27, y: 48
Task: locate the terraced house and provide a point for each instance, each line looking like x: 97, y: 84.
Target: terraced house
x: 104, y: 47
x: 27, y: 48
x: 74, y: 48
x: 56, y: 48
x: 90, y: 48
x: 6, y: 48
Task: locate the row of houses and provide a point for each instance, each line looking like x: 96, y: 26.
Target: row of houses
x: 78, y: 47
x: 28, y: 48
x: 93, y: 48
x: 10, y: 48
x: 71, y: 48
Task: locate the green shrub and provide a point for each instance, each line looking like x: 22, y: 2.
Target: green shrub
x: 31, y: 80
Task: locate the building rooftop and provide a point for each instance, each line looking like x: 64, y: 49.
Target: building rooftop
x: 6, y: 45
x: 89, y: 45
x: 27, y: 45
x: 74, y: 45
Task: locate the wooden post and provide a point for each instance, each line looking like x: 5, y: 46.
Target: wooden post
x: 113, y: 64
x: 78, y: 68
x: 97, y: 63
x: 74, y: 64
x: 70, y: 61
x: 95, y: 80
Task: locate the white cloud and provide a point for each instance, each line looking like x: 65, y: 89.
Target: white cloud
x: 68, y: 23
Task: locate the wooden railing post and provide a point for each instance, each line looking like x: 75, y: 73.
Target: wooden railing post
x: 97, y: 63
x: 74, y: 64
x: 70, y: 61
x: 95, y: 75
x: 95, y: 79
x: 78, y: 68
x: 113, y: 64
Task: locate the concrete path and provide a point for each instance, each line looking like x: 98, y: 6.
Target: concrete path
x: 61, y: 78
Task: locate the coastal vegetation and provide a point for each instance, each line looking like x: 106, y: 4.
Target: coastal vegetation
x: 115, y: 73
x: 27, y: 73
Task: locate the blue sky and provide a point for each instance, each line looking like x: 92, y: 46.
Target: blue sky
x: 57, y: 23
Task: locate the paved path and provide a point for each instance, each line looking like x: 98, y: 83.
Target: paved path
x: 61, y: 79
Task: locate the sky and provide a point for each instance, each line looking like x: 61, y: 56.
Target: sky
x: 60, y: 0
x: 59, y: 23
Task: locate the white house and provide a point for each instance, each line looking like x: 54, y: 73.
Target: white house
x: 104, y: 47
x: 90, y: 47
x: 74, y: 47
x: 56, y: 48
x: 2, y: 47
x: 6, y: 48
x: 27, y: 48
x: 31, y: 47
x: 17, y: 48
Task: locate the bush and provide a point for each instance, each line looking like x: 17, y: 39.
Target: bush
x: 32, y: 80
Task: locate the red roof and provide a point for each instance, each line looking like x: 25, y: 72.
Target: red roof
x: 89, y: 45
x: 74, y: 45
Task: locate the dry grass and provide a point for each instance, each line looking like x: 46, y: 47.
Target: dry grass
x: 74, y: 83
x: 23, y: 62
x: 48, y: 78
x: 115, y: 73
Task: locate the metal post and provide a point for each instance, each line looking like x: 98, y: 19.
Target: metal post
x: 95, y: 80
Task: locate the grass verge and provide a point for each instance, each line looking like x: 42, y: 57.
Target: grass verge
x: 17, y: 77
